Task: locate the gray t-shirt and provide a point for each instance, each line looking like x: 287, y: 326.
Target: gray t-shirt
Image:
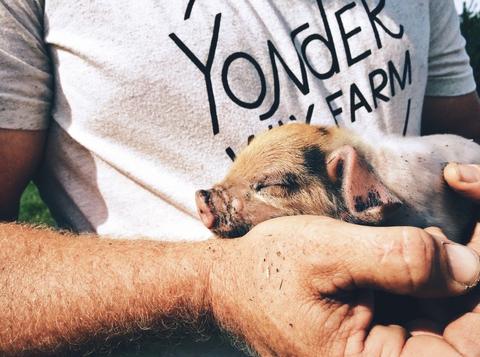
x: 148, y: 101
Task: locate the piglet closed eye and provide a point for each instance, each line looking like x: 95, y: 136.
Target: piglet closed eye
x: 301, y: 169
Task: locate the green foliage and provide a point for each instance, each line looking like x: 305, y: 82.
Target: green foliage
x: 34, y: 211
x: 32, y: 208
x: 470, y: 26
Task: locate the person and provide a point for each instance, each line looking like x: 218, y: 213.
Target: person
x: 121, y: 110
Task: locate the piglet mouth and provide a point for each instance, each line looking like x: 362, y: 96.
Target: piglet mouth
x: 206, y: 209
x: 223, y: 223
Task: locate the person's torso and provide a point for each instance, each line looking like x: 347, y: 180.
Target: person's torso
x: 153, y: 99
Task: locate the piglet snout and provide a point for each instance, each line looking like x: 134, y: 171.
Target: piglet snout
x: 204, y: 209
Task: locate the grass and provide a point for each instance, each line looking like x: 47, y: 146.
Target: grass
x: 32, y: 208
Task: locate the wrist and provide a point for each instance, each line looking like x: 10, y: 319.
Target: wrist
x: 169, y: 282
x: 206, y: 255
x: 229, y: 284
x: 192, y: 265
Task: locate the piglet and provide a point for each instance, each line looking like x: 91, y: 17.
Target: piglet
x: 298, y: 169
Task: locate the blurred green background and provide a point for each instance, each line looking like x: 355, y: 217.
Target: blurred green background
x: 33, y: 210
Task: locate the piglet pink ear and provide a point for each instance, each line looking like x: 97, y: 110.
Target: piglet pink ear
x: 366, y: 198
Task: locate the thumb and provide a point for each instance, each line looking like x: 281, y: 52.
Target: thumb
x: 465, y: 179
x: 412, y: 261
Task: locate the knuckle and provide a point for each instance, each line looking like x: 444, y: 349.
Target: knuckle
x: 465, y: 332
x: 379, y: 330
x: 435, y: 230
x: 470, y: 320
x: 417, y: 254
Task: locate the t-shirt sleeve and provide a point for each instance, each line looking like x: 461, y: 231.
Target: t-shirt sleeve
x: 449, y: 70
x: 25, y: 73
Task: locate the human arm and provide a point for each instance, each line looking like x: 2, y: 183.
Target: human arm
x: 61, y: 292
x: 458, y: 115
x: 20, y: 155
x: 284, y: 290
x: 451, y: 104
x: 58, y: 290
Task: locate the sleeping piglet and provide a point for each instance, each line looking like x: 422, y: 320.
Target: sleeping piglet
x: 299, y: 169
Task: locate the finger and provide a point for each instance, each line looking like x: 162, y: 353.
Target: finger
x: 424, y: 345
x: 401, y: 260
x: 464, y: 334
x: 475, y: 241
x: 385, y: 341
x: 465, y: 179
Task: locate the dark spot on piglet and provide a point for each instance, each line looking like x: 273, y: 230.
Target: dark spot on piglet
x: 291, y: 182
x: 233, y: 230
x: 372, y: 200
x: 360, y: 205
x: 314, y: 161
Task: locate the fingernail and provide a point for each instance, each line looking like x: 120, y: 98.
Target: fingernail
x: 464, y: 264
x: 468, y: 173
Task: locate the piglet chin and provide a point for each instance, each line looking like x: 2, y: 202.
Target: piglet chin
x: 237, y: 231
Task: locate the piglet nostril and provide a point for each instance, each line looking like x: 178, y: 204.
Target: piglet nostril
x: 204, y: 194
x: 202, y: 199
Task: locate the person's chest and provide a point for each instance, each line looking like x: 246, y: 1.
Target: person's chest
x: 194, y: 80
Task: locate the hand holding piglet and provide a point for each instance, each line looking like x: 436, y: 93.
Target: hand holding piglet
x: 303, y: 286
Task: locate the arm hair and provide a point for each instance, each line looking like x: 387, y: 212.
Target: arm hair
x: 58, y: 291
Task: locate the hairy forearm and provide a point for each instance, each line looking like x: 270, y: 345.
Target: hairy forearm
x: 59, y: 290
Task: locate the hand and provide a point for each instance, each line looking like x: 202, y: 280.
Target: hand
x: 464, y: 331
x: 303, y: 286
x: 465, y: 179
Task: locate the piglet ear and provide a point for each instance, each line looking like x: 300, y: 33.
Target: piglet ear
x: 366, y: 198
